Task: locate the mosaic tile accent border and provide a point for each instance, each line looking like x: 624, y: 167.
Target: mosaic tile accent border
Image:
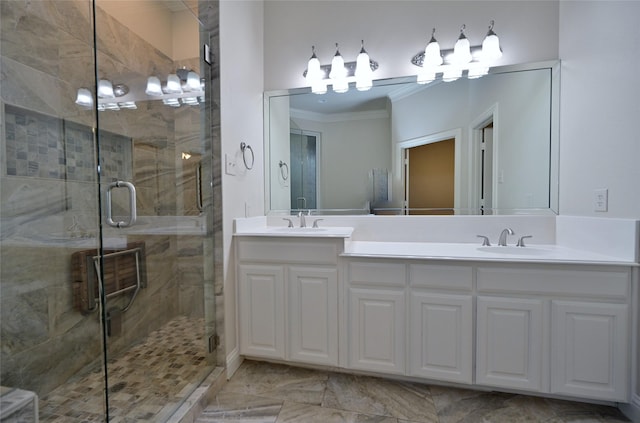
x: 42, y: 146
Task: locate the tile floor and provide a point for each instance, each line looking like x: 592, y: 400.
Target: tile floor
x: 147, y: 383
x: 264, y: 392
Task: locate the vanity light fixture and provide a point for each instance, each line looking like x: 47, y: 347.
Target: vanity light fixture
x: 105, y: 89
x: 173, y: 84
x: 475, y: 60
x: 154, y: 87
x: 339, y: 74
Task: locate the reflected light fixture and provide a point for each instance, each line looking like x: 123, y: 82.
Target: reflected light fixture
x: 173, y: 84
x: 338, y: 73
x: 462, y: 49
x: 432, y: 59
x: 363, y: 72
x: 154, y: 87
x: 193, y: 82
x: 84, y: 97
x: 105, y: 89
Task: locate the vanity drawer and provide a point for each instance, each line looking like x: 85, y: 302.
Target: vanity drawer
x: 584, y: 281
x: 287, y: 251
x: 384, y: 273
x: 441, y: 276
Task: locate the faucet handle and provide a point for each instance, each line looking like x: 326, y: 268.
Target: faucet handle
x: 485, y: 240
x: 521, y: 240
x: 315, y: 223
x: 290, y: 225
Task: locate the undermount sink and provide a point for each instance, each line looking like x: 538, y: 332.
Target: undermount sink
x: 520, y: 251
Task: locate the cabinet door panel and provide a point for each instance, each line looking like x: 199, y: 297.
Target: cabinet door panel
x: 510, y: 343
x: 441, y: 329
x: 377, y: 330
x: 590, y: 349
x: 313, y: 319
x: 261, y: 293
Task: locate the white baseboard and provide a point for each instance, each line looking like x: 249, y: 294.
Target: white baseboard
x: 234, y: 360
x: 632, y: 410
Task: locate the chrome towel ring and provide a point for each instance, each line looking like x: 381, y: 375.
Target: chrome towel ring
x: 244, y: 147
x: 284, y: 170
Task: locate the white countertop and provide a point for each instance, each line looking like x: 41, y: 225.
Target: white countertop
x: 465, y: 251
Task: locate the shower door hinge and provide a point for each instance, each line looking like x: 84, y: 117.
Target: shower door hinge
x: 214, y: 342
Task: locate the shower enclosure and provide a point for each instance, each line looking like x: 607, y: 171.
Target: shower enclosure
x: 108, y: 113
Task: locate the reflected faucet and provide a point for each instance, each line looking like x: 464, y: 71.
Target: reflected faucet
x: 502, y: 241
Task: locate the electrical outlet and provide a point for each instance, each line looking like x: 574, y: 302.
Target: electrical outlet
x: 601, y: 200
x: 229, y: 165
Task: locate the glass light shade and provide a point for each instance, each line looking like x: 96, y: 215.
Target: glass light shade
x: 319, y: 87
x: 491, y: 47
x: 426, y: 74
x: 451, y: 74
x: 363, y: 73
x: 338, y: 71
x: 432, y: 55
x: 314, y: 73
x: 193, y: 81
x: 154, y: 87
x: 462, y: 51
x: 340, y: 85
x: 477, y: 72
x: 84, y: 97
x: 105, y: 89
x: 173, y: 84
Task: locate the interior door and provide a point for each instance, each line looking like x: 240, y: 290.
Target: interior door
x: 486, y: 170
x: 155, y: 159
x: 430, y: 178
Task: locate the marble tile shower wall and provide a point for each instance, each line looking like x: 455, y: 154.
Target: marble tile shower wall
x: 46, y: 55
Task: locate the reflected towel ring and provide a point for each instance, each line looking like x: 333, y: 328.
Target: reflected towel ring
x: 244, y: 147
x: 284, y: 166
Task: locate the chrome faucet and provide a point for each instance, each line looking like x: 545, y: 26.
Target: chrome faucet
x: 502, y: 241
x: 303, y: 221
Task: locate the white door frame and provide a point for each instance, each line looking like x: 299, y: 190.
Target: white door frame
x: 475, y: 129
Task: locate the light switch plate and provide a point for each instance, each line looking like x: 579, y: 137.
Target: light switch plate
x: 601, y: 200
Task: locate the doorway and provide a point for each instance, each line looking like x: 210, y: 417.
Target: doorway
x: 430, y: 178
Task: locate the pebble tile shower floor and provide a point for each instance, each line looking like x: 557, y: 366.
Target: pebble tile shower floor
x: 146, y: 383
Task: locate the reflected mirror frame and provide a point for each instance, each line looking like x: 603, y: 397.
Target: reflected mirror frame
x: 554, y: 154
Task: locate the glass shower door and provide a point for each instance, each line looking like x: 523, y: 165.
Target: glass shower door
x: 156, y: 267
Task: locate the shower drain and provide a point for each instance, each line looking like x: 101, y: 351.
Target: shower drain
x: 117, y: 387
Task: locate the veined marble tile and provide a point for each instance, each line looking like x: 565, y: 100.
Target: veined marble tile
x: 410, y: 401
x: 279, y: 381
x: 234, y: 407
x: 302, y: 413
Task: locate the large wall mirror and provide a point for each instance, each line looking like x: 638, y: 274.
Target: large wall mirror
x: 470, y: 146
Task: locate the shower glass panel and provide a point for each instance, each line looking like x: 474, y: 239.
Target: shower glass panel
x: 304, y: 156
x: 106, y: 248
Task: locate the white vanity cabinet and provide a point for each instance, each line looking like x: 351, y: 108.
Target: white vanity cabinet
x: 440, y: 322
x: 410, y: 318
x: 555, y: 329
x: 288, y: 298
x: 376, y: 304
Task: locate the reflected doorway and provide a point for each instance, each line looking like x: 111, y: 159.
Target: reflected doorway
x: 430, y: 177
x: 304, y: 155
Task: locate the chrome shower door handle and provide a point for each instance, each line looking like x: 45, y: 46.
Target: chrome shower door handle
x: 132, y: 204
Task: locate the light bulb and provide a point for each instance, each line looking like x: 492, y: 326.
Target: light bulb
x: 153, y: 86
x: 426, y: 74
x: 338, y: 73
x: 462, y: 49
x: 432, y: 55
x: 340, y: 85
x: 451, y: 74
x: 319, y: 87
x: 477, y: 72
x: 491, y: 45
